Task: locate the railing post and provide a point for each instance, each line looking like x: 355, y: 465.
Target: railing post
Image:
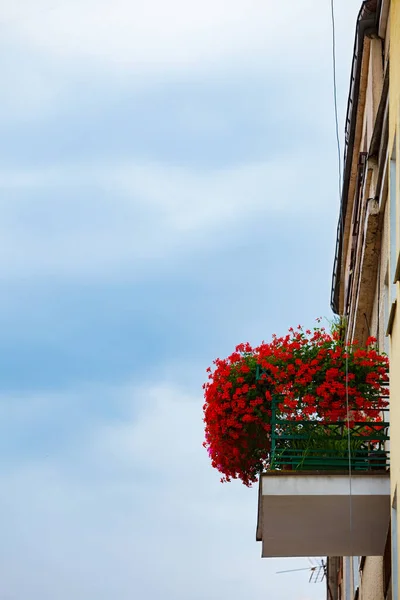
x: 273, y: 431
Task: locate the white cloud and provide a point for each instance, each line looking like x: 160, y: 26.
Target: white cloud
x: 133, y: 508
x: 155, y: 35
x: 197, y: 201
x: 51, y: 50
x: 29, y: 90
x: 130, y: 507
x: 151, y: 213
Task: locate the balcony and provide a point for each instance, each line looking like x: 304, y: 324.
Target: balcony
x: 303, y: 415
x: 309, y: 505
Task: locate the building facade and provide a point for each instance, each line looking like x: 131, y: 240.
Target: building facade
x: 351, y: 516
x: 362, y: 288
x: 393, y: 329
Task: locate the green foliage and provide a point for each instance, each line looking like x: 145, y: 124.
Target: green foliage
x: 327, y: 447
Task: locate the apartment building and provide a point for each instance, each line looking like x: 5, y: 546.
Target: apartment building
x: 350, y: 515
x: 362, y: 287
x: 393, y: 326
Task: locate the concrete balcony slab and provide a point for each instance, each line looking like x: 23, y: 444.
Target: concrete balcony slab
x: 319, y: 513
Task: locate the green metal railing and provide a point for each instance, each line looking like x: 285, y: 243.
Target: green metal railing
x: 313, y: 445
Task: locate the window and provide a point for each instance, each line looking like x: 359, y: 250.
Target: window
x: 347, y: 578
x: 393, y: 239
x: 393, y: 244
x: 386, y: 307
x: 356, y: 574
x: 387, y: 563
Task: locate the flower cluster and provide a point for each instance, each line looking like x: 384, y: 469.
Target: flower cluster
x: 312, y: 375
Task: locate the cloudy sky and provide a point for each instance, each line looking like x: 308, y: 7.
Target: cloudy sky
x: 168, y: 189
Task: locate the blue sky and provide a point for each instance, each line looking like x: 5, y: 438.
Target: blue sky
x: 168, y: 189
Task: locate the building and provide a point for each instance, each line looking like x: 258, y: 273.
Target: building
x: 393, y: 328
x: 327, y: 513
x: 362, y: 288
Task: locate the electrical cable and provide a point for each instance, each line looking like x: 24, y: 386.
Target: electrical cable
x: 346, y: 342
x: 335, y: 96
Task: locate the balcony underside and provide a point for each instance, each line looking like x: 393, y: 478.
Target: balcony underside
x: 313, y: 514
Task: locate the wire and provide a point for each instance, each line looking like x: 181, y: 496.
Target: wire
x: 342, y: 233
x: 339, y: 154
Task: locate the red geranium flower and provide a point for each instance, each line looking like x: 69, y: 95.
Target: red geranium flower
x: 313, y: 375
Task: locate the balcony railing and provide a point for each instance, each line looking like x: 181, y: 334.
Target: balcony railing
x: 305, y: 491
x: 310, y: 445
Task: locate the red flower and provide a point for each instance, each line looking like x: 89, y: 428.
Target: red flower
x: 313, y: 374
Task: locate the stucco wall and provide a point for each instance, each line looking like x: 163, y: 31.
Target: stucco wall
x: 371, y: 587
x: 394, y: 94
x: 370, y: 300
x: 379, y: 313
x: 365, y: 247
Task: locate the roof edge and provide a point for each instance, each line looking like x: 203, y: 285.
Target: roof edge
x: 366, y: 26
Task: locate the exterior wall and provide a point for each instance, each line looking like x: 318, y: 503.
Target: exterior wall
x: 371, y: 574
x: 359, y: 146
x: 380, y: 313
x: 364, y: 278
x: 332, y: 571
x: 364, y: 215
x: 371, y: 582
x: 394, y: 204
x: 355, y: 576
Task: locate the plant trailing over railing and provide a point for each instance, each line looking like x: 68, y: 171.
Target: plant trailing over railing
x: 313, y: 445
x: 312, y: 376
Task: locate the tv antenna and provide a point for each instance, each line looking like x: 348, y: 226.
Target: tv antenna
x: 317, y: 571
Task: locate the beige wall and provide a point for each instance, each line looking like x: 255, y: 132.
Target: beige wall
x: 369, y: 306
x: 394, y: 203
x: 369, y: 214
x: 371, y: 587
x: 380, y: 306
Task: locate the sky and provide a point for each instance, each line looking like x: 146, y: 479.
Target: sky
x: 168, y: 189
